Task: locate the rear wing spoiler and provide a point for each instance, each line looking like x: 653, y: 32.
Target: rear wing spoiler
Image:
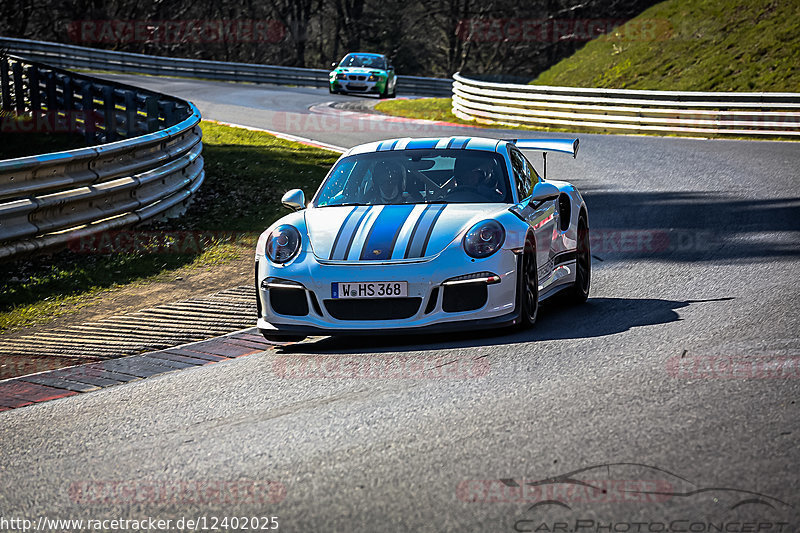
x: 564, y: 146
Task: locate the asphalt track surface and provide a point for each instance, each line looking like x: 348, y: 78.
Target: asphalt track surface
x: 680, y: 374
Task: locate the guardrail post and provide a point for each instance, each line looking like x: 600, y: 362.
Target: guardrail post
x: 68, y: 94
x: 89, y: 119
x: 109, y: 114
x: 5, y: 82
x: 131, y: 116
x: 34, y: 91
x: 169, y: 111
x: 19, y: 93
x: 52, y: 94
x: 151, y: 107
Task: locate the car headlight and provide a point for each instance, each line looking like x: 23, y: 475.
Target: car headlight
x: 373, y: 77
x: 484, y: 238
x: 341, y: 76
x: 283, y: 244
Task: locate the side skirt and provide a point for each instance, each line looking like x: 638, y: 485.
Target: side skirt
x: 562, y: 276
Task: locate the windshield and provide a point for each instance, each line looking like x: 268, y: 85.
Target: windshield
x: 416, y: 177
x: 366, y: 61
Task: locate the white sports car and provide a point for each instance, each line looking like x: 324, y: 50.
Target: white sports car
x: 424, y: 235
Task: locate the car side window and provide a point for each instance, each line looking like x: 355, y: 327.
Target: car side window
x: 522, y: 174
x: 531, y: 171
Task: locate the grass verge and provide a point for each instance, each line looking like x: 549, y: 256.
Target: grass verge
x: 246, y: 174
x: 439, y: 109
x: 693, y: 45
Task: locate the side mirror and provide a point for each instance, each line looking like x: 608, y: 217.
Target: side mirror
x: 544, y: 191
x: 390, y: 67
x: 294, y: 200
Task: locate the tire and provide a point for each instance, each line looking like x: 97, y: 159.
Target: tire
x: 528, y: 289
x: 277, y: 337
x: 579, y: 292
x: 332, y: 90
x: 394, y: 91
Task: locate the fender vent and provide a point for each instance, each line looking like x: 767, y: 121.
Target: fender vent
x: 564, y: 211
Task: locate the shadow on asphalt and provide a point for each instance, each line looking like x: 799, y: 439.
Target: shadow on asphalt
x: 691, y: 226
x: 598, y: 317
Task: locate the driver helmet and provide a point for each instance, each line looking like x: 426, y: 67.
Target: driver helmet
x: 389, y: 178
x: 480, y: 175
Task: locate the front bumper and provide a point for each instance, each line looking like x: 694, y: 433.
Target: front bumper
x: 359, y: 86
x: 429, y: 305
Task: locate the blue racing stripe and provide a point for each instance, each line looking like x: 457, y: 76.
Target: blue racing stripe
x: 430, y: 231
x: 459, y: 142
x: 410, y: 244
x: 422, y: 231
x: 346, y: 232
x: 384, y: 232
x: 386, y: 145
x: 418, y: 144
x: 357, y: 225
x: 339, y: 234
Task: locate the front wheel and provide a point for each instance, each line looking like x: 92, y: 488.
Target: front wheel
x: 528, y: 290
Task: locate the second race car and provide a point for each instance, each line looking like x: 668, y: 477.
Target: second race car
x: 364, y: 73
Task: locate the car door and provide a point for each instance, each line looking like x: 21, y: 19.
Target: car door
x: 541, y: 216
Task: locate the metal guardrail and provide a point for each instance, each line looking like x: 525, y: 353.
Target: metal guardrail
x: 762, y: 114
x: 71, y: 56
x: 150, y: 161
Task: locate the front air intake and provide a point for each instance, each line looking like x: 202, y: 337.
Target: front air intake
x: 289, y: 302
x: 464, y: 297
x: 377, y: 309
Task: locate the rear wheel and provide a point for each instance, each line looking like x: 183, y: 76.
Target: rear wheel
x: 394, y: 91
x: 528, y: 292
x: 579, y: 292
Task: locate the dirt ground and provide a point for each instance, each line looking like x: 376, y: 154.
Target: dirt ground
x: 187, y: 282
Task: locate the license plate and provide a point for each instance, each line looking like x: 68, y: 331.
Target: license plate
x: 370, y: 289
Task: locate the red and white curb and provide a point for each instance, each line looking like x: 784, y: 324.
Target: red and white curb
x: 45, y: 386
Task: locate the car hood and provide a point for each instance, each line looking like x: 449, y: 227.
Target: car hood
x: 390, y: 232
